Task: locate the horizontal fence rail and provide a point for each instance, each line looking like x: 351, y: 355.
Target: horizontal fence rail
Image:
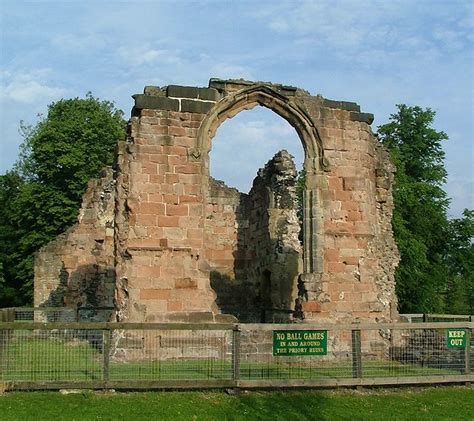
x: 52, y: 355
x: 426, y: 317
x: 56, y: 314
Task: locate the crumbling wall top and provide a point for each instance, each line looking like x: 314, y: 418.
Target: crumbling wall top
x: 201, y: 99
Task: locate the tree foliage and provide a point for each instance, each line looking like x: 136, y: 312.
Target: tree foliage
x: 40, y: 198
x: 426, y: 239
x: 460, y: 262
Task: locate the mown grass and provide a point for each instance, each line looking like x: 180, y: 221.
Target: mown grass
x: 443, y: 403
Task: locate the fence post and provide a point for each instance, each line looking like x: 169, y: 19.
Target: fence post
x: 236, y: 354
x: 10, y: 314
x: 467, y: 353
x: 106, y: 355
x: 356, y: 354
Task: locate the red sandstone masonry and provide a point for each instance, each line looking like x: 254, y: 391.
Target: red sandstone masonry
x: 165, y: 236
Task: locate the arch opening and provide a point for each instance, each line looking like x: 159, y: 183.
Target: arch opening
x: 243, y: 144
x: 253, y: 242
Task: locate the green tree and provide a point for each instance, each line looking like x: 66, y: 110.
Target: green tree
x: 420, y: 220
x: 460, y: 261
x: 10, y: 185
x: 59, y: 155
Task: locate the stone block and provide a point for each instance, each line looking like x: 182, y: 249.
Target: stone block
x: 195, y: 106
x: 175, y: 150
x: 176, y: 131
x: 342, y: 105
x: 335, y: 267
x: 208, y: 94
x: 168, y: 221
x: 331, y: 255
x: 152, y: 208
x: 350, y: 260
x: 362, y: 117
x: 178, y: 91
x: 154, y: 294
x: 172, y: 233
x: 156, y: 306
x: 177, y: 210
x: 153, y: 90
x: 171, y: 199
x: 188, y: 169
x: 148, y: 271
x: 145, y: 220
x: 354, y: 183
x: 311, y: 306
x: 354, y: 216
x: 174, y: 305
x: 186, y: 283
x: 155, y: 102
x: 171, y: 178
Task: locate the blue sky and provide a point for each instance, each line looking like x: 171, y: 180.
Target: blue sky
x: 376, y: 53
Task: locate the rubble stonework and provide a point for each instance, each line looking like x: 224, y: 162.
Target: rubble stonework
x: 252, y: 245
x: 77, y: 268
x: 184, y: 247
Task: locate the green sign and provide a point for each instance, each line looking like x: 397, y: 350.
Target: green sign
x: 300, y: 342
x: 457, y: 338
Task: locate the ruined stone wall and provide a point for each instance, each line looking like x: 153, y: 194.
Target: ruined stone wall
x: 224, y: 248
x: 166, y: 246
x: 272, y: 238
x: 252, y: 246
x: 77, y: 268
x: 162, y: 273
x: 359, y: 253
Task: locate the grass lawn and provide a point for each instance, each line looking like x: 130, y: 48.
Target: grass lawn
x: 434, y: 403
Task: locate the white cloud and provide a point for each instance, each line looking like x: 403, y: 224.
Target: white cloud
x: 279, y: 25
x: 28, y: 87
x: 451, y: 39
x: 397, y: 28
x: 74, y: 43
x: 146, y: 55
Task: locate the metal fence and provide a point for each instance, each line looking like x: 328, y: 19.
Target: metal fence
x: 425, y: 317
x: 57, y: 314
x: 36, y: 355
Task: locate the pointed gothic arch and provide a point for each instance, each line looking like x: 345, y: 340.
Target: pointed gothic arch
x: 314, y: 162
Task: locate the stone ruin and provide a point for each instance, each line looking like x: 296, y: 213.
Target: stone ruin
x: 161, y: 241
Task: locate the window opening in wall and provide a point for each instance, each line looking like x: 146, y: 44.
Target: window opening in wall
x: 252, y: 216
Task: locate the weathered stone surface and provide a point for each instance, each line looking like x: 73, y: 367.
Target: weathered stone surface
x: 363, y: 117
x: 195, y: 106
x: 178, y: 246
x: 154, y: 90
x: 207, y: 94
x: 252, y: 244
x: 177, y: 91
x: 155, y: 103
x: 77, y: 268
x: 341, y: 105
